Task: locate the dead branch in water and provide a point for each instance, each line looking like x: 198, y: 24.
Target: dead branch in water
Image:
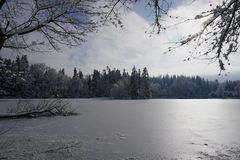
x: 23, y: 109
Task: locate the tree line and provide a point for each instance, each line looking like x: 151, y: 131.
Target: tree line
x: 19, y: 79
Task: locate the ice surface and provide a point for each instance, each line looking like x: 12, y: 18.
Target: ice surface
x: 128, y: 130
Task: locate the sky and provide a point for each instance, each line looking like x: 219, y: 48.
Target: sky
x: 131, y: 46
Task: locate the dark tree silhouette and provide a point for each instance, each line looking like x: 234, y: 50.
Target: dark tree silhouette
x: 59, y: 21
x: 145, y: 84
x: 134, y: 85
x: 54, y: 22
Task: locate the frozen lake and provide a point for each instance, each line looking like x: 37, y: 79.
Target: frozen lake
x: 127, y: 130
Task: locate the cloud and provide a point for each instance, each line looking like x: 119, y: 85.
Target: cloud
x: 131, y: 46
x: 124, y: 48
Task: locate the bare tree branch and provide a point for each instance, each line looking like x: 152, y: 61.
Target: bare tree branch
x: 2, y: 3
x: 219, y: 36
x: 43, y: 108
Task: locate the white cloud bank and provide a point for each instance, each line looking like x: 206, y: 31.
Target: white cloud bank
x: 124, y: 48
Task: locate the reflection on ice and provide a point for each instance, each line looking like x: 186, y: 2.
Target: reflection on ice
x: 128, y: 129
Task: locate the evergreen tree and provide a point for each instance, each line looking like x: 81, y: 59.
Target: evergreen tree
x: 75, y: 72
x: 124, y: 74
x: 120, y: 89
x: 145, y: 85
x: 19, y: 79
x: 220, y: 91
x: 89, y: 82
x: 237, y: 90
x: 62, y: 84
x: 95, y: 84
x: 38, y: 81
x: 74, y: 87
x: 139, y: 84
x: 134, y: 84
x: 62, y: 71
x: 17, y: 65
x: 80, y: 74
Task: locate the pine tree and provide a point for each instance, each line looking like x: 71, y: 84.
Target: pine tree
x: 95, y: 85
x: 89, y: 82
x: 80, y: 74
x: 24, y: 64
x: 17, y: 65
x: 74, y: 72
x: 134, y: 84
x: 3, y: 90
x: 139, y: 95
x: 62, y: 71
x: 145, y: 85
x: 124, y: 74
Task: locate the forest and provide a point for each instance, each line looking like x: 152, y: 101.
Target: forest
x: 20, y: 79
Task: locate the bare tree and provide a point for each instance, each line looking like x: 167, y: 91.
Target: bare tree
x: 219, y: 36
x: 216, y: 40
x: 53, y: 22
x: 33, y: 23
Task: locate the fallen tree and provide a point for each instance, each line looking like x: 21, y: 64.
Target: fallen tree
x: 46, y: 107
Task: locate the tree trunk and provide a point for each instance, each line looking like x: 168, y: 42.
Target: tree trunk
x: 1, y: 43
x: 2, y: 39
x: 27, y: 115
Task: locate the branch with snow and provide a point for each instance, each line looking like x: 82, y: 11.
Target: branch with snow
x: 219, y: 33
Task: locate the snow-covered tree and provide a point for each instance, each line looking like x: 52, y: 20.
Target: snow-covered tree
x: 120, y: 90
x: 219, y: 36
x: 237, y: 90
x: 220, y: 91
x: 38, y: 81
x: 145, y: 84
x: 62, y: 84
x: 134, y: 84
